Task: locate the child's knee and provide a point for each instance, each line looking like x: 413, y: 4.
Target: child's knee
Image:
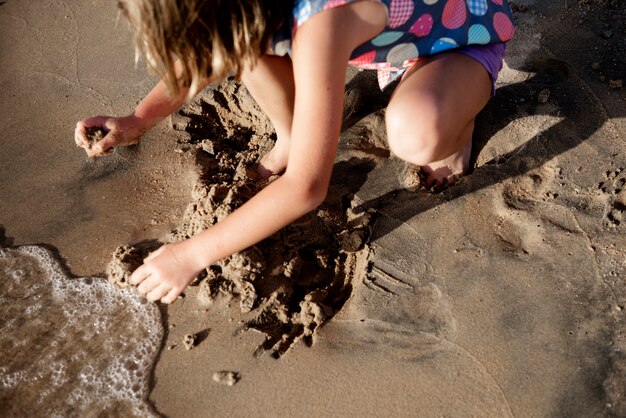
x: 415, y: 135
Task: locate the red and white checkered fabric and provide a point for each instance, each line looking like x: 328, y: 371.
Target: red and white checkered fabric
x: 399, y: 12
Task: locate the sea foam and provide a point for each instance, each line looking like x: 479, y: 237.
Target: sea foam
x: 72, y: 347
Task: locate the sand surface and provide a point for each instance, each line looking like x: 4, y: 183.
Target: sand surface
x: 502, y: 296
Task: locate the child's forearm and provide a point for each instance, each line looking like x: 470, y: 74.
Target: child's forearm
x: 158, y: 104
x: 280, y: 203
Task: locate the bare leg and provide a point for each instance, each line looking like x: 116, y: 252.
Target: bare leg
x: 271, y: 84
x: 430, y: 118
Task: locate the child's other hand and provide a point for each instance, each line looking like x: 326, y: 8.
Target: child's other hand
x: 165, y: 273
x: 116, y: 132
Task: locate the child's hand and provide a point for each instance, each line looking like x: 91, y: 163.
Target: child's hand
x: 98, y: 135
x: 165, y: 273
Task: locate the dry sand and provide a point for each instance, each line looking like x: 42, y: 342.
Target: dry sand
x: 501, y: 296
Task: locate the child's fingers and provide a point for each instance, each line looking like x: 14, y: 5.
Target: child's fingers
x: 78, y: 140
x: 79, y: 136
x: 101, y: 148
x: 171, y: 296
x: 98, y: 151
x: 158, y: 292
x: 154, y: 253
x: 105, y: 144
x: 139, y: 275
x: 81, y: 139
x: 95, y: 122
x: 149, y: 284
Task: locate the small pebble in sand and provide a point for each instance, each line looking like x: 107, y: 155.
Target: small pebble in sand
x: 189, y: 341
x: 595, y: 65
x: 226, y: 378
x: 616, y: 84
x: 292, y: 267
x: 352, y: 241
x: 543, y: 96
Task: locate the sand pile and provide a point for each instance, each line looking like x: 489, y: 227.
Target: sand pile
x: 287, y: 285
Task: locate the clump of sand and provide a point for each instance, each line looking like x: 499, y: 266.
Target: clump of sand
x: 125, y: 260
x: 94, y: 135
x: 226, y: 378
x: 189, y: 341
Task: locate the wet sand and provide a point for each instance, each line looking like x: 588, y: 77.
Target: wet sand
x: 501, y: 296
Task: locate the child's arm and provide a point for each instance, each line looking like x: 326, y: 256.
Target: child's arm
x: 321, y: 50
x: 127, y: 130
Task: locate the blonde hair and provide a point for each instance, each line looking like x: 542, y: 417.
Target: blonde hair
x: 210, y: 38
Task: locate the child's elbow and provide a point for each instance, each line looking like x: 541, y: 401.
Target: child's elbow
x: 311, y: 194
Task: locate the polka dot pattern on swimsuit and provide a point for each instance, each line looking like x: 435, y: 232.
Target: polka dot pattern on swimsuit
x: 416, y: 28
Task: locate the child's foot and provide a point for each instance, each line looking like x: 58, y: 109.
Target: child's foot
x: 440, y: 174
x: 274, y: 162
x: 448, y: 171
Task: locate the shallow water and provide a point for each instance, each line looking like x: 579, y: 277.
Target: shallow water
x: 71, y: 347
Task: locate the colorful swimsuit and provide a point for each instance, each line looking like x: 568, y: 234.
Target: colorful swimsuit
x: 415, y: 28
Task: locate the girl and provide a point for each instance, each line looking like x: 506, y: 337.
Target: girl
x: 292, y: 57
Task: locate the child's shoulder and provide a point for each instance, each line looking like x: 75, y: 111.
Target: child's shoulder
x: 301, y: 12
x: 304, y: 10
